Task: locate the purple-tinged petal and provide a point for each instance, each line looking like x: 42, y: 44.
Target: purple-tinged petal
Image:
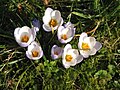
x: 36, y: 23
x: 98, y: 46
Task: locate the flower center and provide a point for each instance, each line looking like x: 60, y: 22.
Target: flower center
x: 25, y: 38
x: 68, y: 58
x: 64, y: 36
x: 53, y: 22
x: 85, y: 46
x: 56, y: 53
x: 35, y: 53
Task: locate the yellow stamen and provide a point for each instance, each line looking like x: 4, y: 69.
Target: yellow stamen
x: 25, y: 38
x: 35, y: 53
x: 85, y: 46
x: 68, y: 58
x: 53, y: 22
x: 64, y: 36
x: 56, y: 53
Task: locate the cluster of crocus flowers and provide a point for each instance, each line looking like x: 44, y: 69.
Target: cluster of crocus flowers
x: 52, y: 20
x: 25, y: 37
x: 70, y: 57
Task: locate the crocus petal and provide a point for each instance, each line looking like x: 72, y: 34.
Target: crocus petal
x: 36, y: 58
x: 85, y: 54
x: 60, y: 29
x: 69, y: 25
x: 61, y: 21
x: 16, y: 32
x: 28, y: 55
x: 47, y: 28
x: 65, y: 41
x: 56, y: 15
x: 33, y: 30
x: 23, y: 44
x: 66, y: 65
x: 81, y: 39
x: 25, y: 29
x: 36, y: 29
x: 36, y: 24
x: 59, y: 32
x: 16, y: 35
x: 48, y: 11
x: 82, y: 36
x: 71, y: 32
x: 93, y: 51
x: 41, y: 52
x: 67, y: 47
x: 46, y: 19
x: 91, y: 41
x: 72, y: 63
x: 32, y: 46
x: 79, y: 58
x: 97, y: 46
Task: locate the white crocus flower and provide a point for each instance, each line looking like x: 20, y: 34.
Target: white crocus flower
x: 56, y: 52
x: 70, y: 56
x: 88, y: 45
x: 66, y: 33
x: 34, y: 51
x: 52, y: 20
x: 24, y: 36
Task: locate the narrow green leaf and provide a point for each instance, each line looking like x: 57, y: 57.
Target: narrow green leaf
x: 2, y: 46
x: 81, y: 15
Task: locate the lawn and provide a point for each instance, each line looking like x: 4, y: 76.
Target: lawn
x: 99, y: 18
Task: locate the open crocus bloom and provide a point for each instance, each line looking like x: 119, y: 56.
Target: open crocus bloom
x: 56, y: 52
x: 65, y: 34
x: 52, y: 19
x: 70, y: 56
x: 34, y: 51
x: 36, y: 24
x: 88, y: 45
x: 24, y: 36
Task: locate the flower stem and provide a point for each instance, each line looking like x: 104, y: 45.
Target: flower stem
x: 98, y: 23
x: 93, y: 30
x: 52, y: 29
